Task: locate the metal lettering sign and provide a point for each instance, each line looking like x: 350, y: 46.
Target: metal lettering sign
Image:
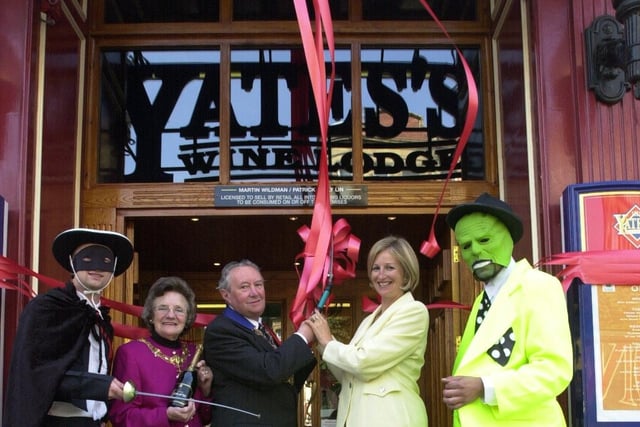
x: 172, y: 130
x: 252, y: 196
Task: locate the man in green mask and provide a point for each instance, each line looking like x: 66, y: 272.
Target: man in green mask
x: 515, y: 356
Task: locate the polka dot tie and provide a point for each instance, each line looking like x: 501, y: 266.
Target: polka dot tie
x: 500, y: 351
x: 485, y: 305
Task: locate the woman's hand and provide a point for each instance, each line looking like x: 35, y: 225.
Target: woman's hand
x: 318, y: 323
x: 182, y: 414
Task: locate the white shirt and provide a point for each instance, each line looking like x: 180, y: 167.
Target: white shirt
x: 491, y: 288
x: 95, y: 409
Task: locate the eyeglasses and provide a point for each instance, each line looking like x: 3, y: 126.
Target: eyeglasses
x: 165, y: 309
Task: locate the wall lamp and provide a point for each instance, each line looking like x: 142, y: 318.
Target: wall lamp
x: 613, y: 52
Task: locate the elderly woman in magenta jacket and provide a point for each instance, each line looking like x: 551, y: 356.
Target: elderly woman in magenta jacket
x: 154, y: 363
x: 380, y: 367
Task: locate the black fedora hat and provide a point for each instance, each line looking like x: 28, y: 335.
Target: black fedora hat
x: 68, y: 241
x: 488, y: 204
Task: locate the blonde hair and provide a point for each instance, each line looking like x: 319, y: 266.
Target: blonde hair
x: 403, y: 253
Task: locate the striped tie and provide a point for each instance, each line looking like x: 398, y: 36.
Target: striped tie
x: 266, y: 335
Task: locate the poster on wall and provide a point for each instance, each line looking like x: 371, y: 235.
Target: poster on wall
x: 605, y: 316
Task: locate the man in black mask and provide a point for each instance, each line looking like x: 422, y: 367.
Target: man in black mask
x: 62, y: 351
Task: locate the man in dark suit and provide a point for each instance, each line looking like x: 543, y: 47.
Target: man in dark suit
x: 252, y: 369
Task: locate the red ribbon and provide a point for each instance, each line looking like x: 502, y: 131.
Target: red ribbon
x: 10, y: 278
x: 618, y: 267
x: 322, y: 238
x: 368, y: 305
x: 430, y: 247
x: 345, y: 248
x: 10, y: 273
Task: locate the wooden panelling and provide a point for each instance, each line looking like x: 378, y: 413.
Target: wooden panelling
x: 61, y: 123
x: 512, y: 117
x: 580, y: 139
x: 400, y: 197
x: 16, y: 148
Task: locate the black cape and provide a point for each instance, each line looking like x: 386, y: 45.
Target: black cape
x: 52, y: 334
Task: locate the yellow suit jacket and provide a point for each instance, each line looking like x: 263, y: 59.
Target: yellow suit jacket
x: 540, y: 367
x: 380, y: 367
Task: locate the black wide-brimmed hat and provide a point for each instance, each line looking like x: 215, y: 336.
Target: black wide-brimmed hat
x: 488, y: 204
x: 68, y: 241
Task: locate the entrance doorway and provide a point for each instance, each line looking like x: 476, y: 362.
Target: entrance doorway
x: 196, y: 248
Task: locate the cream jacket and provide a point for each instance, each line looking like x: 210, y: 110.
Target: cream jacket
x: 380, y: 367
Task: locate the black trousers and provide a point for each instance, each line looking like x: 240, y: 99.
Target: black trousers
x: 51, y: 421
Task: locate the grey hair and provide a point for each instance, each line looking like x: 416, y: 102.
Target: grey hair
x: 223, y: 283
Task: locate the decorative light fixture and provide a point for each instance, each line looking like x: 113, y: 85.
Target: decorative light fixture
x: 613, y: 52
x: 211, y: 306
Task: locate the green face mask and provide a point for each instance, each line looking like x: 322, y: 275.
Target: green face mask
x: 485, y: 242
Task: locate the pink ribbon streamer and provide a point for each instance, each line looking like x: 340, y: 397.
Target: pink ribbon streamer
x: 368, y: 305
x: 616, y: 267
x: 430, y: 247
x: 11, y: 278
x: 619, y: 267
x: 320, y: 238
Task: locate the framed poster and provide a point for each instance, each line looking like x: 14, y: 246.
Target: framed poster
x: 605, y: 317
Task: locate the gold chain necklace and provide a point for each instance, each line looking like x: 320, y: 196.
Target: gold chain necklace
x: 175, y: 360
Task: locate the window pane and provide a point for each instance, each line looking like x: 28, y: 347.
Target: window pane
x: 281, y: 10
x: 414, y: 107
x: 149, y: 11
x: 275, y: 134
x: 413, y: 10
x: 159, y: 119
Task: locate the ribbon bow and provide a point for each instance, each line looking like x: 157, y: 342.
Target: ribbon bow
x: 338, y: 265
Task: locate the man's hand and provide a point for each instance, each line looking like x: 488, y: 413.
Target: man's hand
x: 458, y: 391
x: 115, y: 389
x: 306, y: 330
